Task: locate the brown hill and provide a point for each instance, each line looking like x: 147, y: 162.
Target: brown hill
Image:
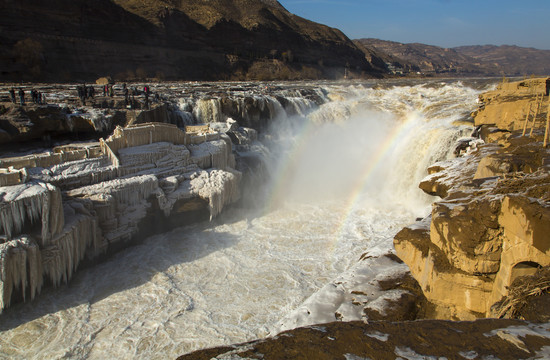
x: 487, y: 60
x: 427, y: 59
x: 219, y: 39
x: 510, y: 60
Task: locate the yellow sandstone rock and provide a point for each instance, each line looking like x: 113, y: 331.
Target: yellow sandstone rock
x: 493, y: 224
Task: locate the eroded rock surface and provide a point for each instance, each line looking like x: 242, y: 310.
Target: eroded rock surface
x: 427, y: 339
x: 493, y: 223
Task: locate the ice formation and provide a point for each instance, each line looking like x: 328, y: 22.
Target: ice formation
x: 25, y: 204
x: 61, y: 206
x: 20, y: 261
x: 105, y: 198
x: 218, y: 186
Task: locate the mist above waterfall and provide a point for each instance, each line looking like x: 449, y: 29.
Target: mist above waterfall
x: 369, y: 143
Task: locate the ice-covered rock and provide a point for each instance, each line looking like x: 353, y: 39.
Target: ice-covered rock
x: 79, y: 204
x: 218, y: 187
x: 26, y: 204
x: 212, y: 154
x: 20, y: 269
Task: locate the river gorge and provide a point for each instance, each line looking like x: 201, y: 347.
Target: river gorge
x: 331, y: 172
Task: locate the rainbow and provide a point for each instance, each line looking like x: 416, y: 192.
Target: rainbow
x: 370, y: 167
x: 354, y: 195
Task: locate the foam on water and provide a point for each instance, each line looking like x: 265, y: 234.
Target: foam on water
x: 236, y: 279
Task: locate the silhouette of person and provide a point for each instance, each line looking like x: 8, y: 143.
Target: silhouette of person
x: 21, y: 97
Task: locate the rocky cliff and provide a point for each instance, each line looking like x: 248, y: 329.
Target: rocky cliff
x: 215, y: 40
x: 493, y: 221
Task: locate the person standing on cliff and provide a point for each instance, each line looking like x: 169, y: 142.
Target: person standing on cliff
x: 547, y: 86
x: 12, y: 95
x: 125, y: 95
x: 21, y: 96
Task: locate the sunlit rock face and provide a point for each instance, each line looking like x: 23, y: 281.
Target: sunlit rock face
x: 492, y: 224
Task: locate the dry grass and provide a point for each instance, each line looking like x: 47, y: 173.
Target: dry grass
x: 521, y: 292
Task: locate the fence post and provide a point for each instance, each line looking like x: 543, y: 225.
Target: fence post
x: 537, y: 109
x: 547, y: 123
x: 526, y: 120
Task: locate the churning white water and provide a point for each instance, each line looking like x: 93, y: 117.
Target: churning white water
x: 345, y: 183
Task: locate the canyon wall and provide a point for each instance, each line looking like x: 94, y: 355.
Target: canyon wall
x: 492, y: 223
x: 73, y: 40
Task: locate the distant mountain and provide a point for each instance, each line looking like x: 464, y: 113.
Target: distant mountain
x: 461, y: 61
x: 511, y: 60
x: 173, y: 39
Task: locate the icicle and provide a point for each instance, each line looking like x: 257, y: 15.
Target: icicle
x: 22, y: 203
x: 62, y: 257
x: 34, y: 259
x: 16, y: 257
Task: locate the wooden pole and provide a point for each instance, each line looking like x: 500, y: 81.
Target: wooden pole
x: 526, y: 119
x: 537, y: 108
x: 547, y: 123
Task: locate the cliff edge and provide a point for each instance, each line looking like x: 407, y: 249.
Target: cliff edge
x: 492, y: 224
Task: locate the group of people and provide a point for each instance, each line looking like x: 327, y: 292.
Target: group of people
x: 85, y: 92
x: 108, y: 90
x: 133, y: 92
x: 36, y: 96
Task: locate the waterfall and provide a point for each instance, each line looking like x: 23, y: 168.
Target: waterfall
x: 371, y: 144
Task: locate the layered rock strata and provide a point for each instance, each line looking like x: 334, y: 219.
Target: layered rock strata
x: 61, y: 212
x: 65, y: 40
x: 493, y: 222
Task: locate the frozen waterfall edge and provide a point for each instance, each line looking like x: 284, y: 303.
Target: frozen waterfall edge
x: 47, y: 230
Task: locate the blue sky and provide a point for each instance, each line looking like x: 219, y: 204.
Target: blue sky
x: 446, y: 23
